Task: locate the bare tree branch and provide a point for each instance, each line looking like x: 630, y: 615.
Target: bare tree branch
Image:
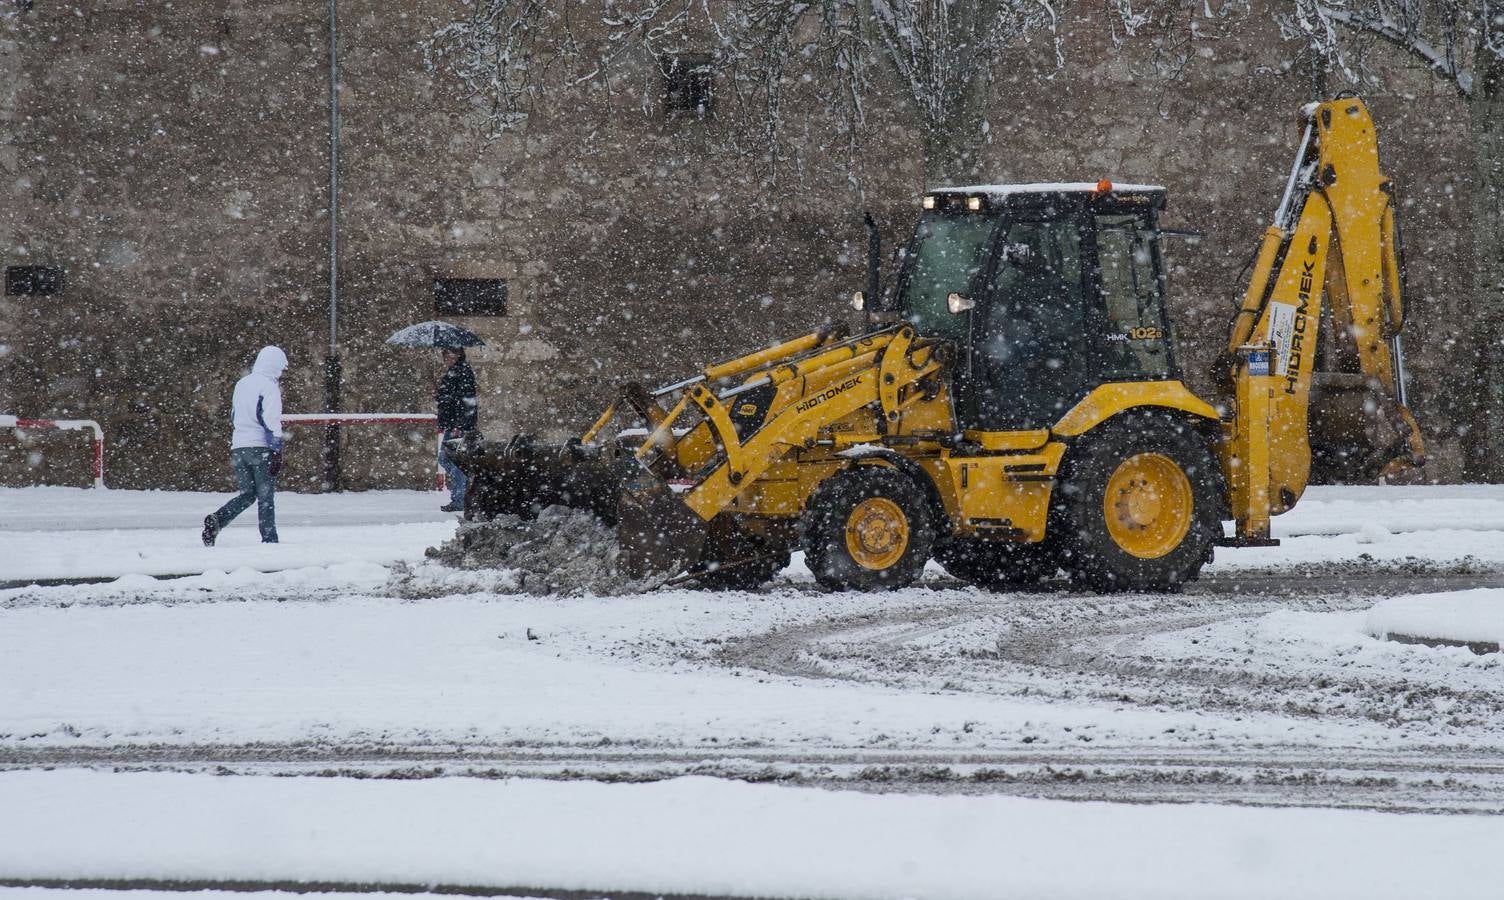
x: 1443, y: 60
x: 943, y: 54
x: 1449, y: 37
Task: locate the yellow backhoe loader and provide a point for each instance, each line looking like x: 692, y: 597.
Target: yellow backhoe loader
x: 1015, y: 408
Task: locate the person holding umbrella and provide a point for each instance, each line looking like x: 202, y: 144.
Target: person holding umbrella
x: 458, y: 411
x: 455, y: 396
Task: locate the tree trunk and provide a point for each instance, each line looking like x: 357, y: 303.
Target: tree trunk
x: 952, y: 155
x: 953, y: 143
x: 1485, y: 456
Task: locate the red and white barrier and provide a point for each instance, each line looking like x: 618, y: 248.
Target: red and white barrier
x: 21, y: 424
x: 370, y: 419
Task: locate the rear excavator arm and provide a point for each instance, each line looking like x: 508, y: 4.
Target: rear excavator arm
x: 1332, y: 244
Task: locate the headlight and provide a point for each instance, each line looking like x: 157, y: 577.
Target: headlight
x: 974, y: 204
x: 929, y: 201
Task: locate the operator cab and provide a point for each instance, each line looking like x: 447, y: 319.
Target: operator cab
x: 1050, y: 290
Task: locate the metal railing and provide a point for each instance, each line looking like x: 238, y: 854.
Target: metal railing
x: 21, y: 424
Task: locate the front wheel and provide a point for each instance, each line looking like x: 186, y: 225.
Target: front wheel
x: 867, y: 528
x: 1138, y: 508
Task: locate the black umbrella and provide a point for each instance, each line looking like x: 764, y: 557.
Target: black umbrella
x: 435, y: 334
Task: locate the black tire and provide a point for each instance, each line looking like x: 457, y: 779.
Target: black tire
x: 1147, y: 540
x: 996, y: 565
x: 878, y: 511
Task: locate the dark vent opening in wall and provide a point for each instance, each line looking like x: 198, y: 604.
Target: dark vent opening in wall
x: 470, y: 296
x: 688, y: 85
x: 39, y: 280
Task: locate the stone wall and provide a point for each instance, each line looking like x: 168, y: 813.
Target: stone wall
x: 173, y: 162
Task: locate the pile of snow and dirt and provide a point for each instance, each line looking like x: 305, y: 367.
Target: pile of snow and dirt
x: 563, y: 551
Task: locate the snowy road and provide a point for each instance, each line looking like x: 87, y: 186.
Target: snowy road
x: 1248, y: 688
x: 1257, y: 686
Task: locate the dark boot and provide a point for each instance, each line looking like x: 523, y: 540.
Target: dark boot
x: 211, y: 530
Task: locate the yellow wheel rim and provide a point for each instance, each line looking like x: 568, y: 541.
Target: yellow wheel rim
x: 877, y: 533
x: 1148, y: 506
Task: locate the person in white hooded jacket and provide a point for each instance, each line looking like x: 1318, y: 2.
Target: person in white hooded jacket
x: 255, y: 446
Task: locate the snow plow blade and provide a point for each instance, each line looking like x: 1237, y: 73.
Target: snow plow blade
x: 523, y: 477
x: 657, y: 535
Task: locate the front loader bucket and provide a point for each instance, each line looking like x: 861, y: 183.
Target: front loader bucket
x: 656, y: 533
x: 522, y: 477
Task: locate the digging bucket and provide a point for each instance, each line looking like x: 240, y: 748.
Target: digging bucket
x: 1356, y: 429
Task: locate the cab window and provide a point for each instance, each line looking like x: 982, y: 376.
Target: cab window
x: 946, y: 255
x: 1136, y: 334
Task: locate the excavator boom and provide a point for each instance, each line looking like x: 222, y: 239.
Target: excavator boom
x: 1320, y: 372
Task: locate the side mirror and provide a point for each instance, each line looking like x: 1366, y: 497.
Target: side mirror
x: 959, y: 304
x: 859, y: 301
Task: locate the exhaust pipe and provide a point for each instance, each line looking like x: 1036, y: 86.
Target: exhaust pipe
x: 874, y: 257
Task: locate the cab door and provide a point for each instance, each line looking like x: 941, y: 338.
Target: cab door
x: 1134, y: 341
x: 1031, y: 355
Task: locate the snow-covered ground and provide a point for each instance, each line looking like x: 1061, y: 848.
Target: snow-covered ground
x: 705, y: 836
x: 1265, y: 683
x: 55, y: 533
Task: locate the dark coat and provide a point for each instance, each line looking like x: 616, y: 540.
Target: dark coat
x: 456, y: 398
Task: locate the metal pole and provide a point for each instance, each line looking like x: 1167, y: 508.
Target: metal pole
x: 332, y: 368
x: 1284, y: 210
x: 333, y: 178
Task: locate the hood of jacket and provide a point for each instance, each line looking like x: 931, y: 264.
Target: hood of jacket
x: 271, y: 361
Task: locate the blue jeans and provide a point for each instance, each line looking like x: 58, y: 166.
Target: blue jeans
x: 453, y: 477
x: 253, y: 473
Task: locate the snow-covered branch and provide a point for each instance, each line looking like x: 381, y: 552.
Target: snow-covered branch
x: 1121, y: 12
x: 1440, y: 60
x: 1448, y: 37
x: 493, y: 55
x: 942, y: 54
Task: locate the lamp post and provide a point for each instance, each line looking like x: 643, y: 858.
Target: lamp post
x: 332, y: 369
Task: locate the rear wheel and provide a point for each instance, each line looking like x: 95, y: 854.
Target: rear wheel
x: 867, y: 528
x: 995, y: 564
x: 1138, y: 508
